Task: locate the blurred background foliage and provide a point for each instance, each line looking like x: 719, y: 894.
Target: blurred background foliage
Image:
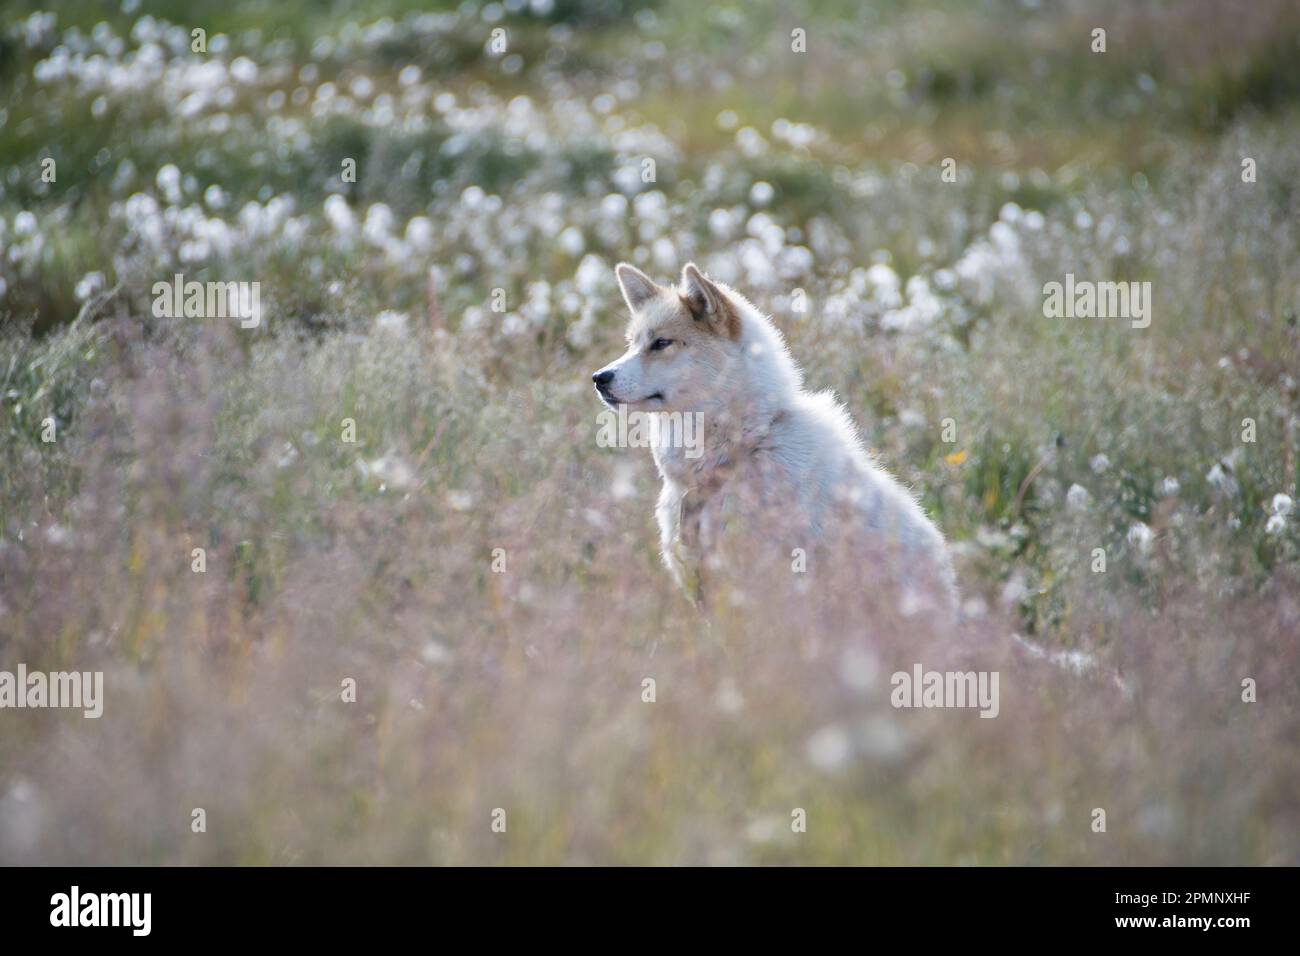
x: 522, y: 171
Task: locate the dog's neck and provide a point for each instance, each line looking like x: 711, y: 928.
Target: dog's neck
x: 727, y: 442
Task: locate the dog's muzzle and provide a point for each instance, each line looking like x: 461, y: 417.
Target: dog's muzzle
x: 601, y: 380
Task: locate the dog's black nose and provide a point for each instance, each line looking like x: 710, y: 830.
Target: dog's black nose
x: 603, y: 378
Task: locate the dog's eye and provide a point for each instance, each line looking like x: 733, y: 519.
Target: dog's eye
x: 658, y: 345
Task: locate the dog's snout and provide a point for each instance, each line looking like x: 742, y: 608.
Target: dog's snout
x: 603, y: 377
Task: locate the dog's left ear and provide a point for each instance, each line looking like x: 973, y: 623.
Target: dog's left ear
x: 638, y: 288
x: 709, y: 303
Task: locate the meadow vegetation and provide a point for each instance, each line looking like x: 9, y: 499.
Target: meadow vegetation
x: 476, y: 430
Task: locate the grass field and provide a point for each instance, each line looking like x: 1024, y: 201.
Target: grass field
x: 488, y: 576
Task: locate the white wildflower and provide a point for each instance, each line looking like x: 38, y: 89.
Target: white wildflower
x: 1140, y: 537
x: 1077, y: 498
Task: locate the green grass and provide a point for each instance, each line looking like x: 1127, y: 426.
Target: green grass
x: 373, y: 559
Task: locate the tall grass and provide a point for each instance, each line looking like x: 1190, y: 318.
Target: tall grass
x: 521, y: 686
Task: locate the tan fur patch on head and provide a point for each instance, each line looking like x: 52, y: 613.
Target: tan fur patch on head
x: 709, y: 302
x: 671, y: 317
x: 697, y: 309
x: 725, y: 319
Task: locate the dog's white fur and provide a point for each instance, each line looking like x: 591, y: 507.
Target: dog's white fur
x: 770, y: 447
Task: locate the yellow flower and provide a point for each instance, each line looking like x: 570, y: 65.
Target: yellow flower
x: 956, y: 458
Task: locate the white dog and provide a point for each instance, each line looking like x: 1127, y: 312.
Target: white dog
x: 783, y: 464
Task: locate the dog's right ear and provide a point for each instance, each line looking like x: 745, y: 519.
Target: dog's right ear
x: 638, y: 288
x: 706, y: 301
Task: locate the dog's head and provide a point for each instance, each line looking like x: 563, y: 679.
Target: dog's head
x: 683, y: 345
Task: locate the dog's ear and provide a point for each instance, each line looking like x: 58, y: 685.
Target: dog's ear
x: 709, y: 303
x: 638, y: 288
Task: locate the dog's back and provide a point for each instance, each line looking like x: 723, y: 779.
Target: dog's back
x: 825, y: 486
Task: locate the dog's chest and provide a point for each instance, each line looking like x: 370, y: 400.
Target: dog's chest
x: 693, y: 517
